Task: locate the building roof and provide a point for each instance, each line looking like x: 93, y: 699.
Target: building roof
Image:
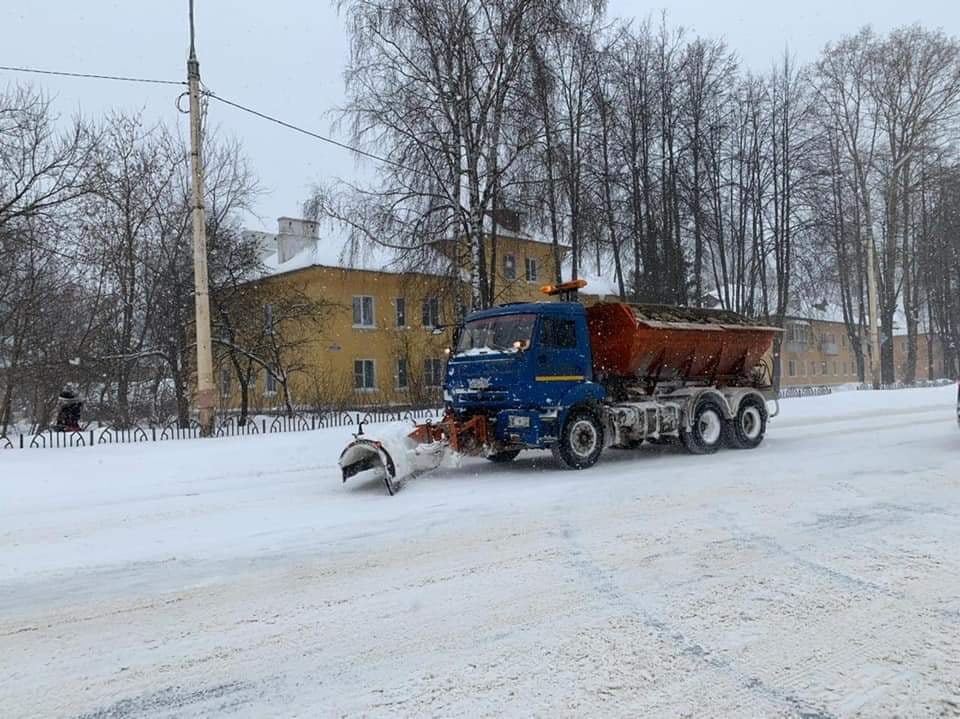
x: 329, y: 247
x: 822, y: 311
x: 830, y: 312
x: 301, y: 244
x: 528, y: 234
x: 328, y: 252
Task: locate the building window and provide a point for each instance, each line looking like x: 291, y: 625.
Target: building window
x: 268, y: 319
x: 432, y: 372
x: 431, y: 312
x: 558, y: 333
x: 364, y: 375
x: 792, y: 368
x: 803, y: 368
x: 798, y: 332
x: 363, y: 311
x: 531, y: 269
x: 271, y: 382
x: 823, y: 369
x: 402, y: 381
x: 225, y: 377
x: 401, y: 305
x: 509, y: 267
x: 835, y: 370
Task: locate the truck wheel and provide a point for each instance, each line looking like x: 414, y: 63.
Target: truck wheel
x: 706, y: 428
x: 746, y: 430
x: 581, y: 441
x: 504, y: 457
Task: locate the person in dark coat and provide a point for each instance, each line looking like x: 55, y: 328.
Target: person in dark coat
x: 68, y: 416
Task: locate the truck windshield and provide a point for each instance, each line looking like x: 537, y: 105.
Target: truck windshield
x: 495, y: 334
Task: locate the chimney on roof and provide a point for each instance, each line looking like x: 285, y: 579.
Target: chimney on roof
x: 508, y: 219
x: 294, y: 236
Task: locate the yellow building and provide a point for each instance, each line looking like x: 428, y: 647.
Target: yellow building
x: 385, y: 319
x: 819, y: 351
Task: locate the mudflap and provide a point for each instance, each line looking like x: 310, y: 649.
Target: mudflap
x: 369, y: 458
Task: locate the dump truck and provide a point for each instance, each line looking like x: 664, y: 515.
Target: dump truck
x: 575, y: 379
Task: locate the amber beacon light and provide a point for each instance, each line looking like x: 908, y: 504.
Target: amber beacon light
x: 570, y: 286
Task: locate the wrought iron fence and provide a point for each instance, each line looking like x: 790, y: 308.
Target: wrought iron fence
x: 228, y: 427
x: 807, y: 391
x: 821, y: 390
x: 913, y: 385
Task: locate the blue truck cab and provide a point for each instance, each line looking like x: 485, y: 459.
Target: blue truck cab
x: 524, y: 366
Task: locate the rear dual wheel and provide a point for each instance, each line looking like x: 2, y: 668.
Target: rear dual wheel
x: 746, y: 429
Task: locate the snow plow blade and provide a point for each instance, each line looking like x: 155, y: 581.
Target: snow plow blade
x: 367, y: 457
x: 393, y: 459
x: 390, y: 460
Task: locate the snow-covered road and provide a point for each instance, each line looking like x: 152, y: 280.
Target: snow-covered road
x: 815, y: 576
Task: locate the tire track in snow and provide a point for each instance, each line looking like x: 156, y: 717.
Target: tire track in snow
x: 175, y: 699
x: 866, y: 652
x: 602, y: 581
x: 787, y: 422
x: 797, y: 437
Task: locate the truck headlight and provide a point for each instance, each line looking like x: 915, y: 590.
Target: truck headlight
x: 519, y: 420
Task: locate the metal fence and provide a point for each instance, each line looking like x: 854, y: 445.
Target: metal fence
x: 913, y: 385
x: 824, y: 389
x: 228, y: 427
x: 807, y: 391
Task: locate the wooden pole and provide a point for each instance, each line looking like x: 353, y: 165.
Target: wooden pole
x: 204, y: 396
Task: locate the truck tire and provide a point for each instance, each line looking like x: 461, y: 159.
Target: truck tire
x: 581, y: 441
x: 706, y: 428
x: 746, y: 429
x: 504, y: 457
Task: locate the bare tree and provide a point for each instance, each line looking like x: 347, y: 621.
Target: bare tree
x: 914, y: 80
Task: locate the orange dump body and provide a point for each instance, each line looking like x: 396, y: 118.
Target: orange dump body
x: 659, y: 343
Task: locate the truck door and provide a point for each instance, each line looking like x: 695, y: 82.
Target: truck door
x: 560, y: 358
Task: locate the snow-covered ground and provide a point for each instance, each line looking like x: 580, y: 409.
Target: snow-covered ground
x: 817, y: 575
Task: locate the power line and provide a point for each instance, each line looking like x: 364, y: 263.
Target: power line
x: 310, y: 133
x: 90, y: 76
x: 225, y: 101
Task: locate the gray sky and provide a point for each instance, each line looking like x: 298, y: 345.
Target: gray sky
x: 285, y: 57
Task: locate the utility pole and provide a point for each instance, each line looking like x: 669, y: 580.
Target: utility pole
x: 201, y: 293
x: 873, y: 309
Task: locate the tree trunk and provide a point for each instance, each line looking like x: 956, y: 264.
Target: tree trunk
x: 244, y: 400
